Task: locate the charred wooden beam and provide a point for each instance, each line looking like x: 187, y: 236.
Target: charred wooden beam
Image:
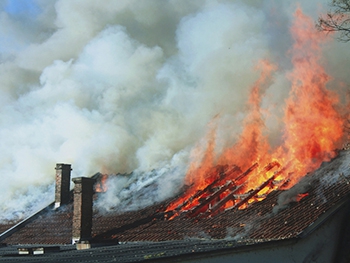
x: 196, y: 210
x: 228, y: 186
x: 198, y: 194
x: 232, y: 194
x: 229, y: 174
x: 252, y: 193
x: 250, y: 169
x: 223, y: 201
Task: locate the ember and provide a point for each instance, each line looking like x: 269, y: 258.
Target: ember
x: 249, y: 170
x: 301, y: 196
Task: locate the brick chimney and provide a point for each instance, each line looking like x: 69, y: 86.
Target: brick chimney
x: 62, y: 191
x: 82, y: 211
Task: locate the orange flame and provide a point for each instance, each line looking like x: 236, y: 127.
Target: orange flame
x: 101, y: 184
x: 301, y: 196
x: 313, y: 130
x: 314, y: 127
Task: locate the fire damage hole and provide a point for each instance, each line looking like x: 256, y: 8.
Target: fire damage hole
x: 225, y: 193
x: 221, y: 195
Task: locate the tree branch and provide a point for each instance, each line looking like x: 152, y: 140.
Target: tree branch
x: 337, y: 20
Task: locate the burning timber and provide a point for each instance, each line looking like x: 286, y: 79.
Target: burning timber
x: 216, y: 195
x: 253, y: 221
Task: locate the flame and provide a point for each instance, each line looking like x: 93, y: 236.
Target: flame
x: 313, y: 129
x: 101, y: 184
x: 313, y: 126
x: 301, y: 196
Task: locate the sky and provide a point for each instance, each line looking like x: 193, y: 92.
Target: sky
x: 134, y: 86
x: 20, y: 8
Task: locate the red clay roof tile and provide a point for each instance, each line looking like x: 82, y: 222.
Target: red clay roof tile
x: 259, y: 221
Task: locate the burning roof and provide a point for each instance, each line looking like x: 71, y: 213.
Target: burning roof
x: 251, y: 188
x: 137, y: 92
x: 275, y: 217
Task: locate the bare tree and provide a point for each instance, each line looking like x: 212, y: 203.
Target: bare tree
x: 337, y: 19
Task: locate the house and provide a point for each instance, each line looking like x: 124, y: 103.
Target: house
x: 306, y: 223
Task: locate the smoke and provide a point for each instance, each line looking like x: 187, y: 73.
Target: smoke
x: 130, y: 86
x: 329, y: 174
x: 236, y: 234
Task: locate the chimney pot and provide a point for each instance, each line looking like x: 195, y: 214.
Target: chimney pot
x: 82, y: 210
x: 62, y: 189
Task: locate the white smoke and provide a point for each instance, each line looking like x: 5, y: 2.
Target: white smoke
x: 128, y: 85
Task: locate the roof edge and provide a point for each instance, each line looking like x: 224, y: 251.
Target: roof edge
x: 24, y: 222
x: 324, y: 217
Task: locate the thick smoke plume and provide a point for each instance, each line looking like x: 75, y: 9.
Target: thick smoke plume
x: 132, y: 86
